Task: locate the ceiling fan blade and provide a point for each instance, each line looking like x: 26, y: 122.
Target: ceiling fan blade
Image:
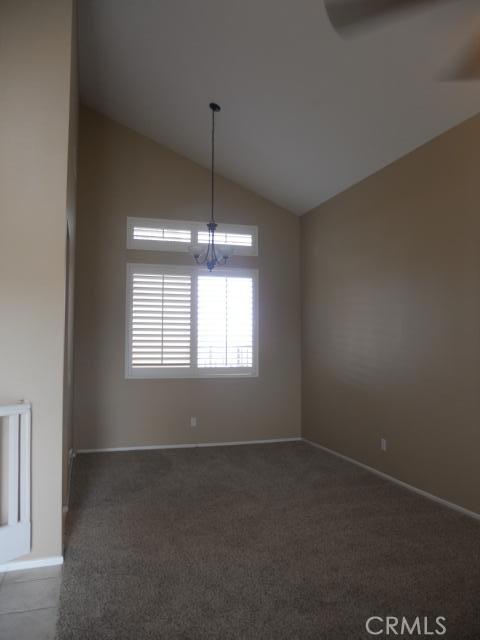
x: 346, y: 14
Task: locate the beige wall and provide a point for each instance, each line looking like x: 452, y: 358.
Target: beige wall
x: 35, y: 49
x: 391, y: 319
x: 124, y: 174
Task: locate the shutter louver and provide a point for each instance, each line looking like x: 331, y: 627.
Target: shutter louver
x: 160, y: 323
x: 225, y: 322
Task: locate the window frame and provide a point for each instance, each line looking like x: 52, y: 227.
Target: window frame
x: 187, y: 225
x: 193, y: 371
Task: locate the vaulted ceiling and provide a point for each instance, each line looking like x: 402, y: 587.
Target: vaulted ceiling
x: 305, y: 113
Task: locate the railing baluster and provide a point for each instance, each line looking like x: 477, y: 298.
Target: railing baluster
x: 25, y: 467
x: 13, y: 459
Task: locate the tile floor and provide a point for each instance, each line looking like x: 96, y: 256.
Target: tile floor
x: 29, y: 603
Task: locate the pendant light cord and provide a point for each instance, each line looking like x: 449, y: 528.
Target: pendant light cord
x: 213, y: 164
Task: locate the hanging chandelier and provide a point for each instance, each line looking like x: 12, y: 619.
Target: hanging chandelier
x: 212, y: 255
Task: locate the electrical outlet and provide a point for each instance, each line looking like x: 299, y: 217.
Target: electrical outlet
x: 193, y: 422
x: 383, y: 444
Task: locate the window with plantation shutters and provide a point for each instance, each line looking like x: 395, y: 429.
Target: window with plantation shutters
x: 186, y: 322
x: 160, y: 234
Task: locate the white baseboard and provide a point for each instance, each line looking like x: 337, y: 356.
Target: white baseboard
x: 421, y: 492
x: 188, y: 446
x: 51, y: 561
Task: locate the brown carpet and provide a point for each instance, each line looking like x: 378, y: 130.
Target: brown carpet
x: 276, y: 541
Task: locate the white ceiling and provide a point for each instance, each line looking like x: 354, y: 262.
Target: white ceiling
x: 305, y: 113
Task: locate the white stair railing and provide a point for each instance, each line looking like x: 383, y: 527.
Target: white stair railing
x: 15, y: 526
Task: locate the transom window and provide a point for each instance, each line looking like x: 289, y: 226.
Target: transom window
x: 184, y: 322
x: 155, y: 234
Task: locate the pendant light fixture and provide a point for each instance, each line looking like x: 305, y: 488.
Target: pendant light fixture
x: 212, y: 255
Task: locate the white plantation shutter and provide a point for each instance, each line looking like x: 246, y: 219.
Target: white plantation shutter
x: 156, y: 234
x: 231, y: 239
x: 160, y: 320
x: 225, y: 322
x: 161, y: 234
